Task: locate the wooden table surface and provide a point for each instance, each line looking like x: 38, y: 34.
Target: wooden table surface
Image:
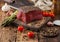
x: 10, y: 34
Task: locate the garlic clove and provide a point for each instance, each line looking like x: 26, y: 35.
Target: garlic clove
x: 6, y: 7
x: 50, y: 23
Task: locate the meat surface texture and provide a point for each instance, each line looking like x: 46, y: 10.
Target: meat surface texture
x: 31, y: 16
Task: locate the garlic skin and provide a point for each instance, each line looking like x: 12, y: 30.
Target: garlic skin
x: 44, y: 6
x: 48, y: 2
x: 6, y: 7
x: 50, y: 23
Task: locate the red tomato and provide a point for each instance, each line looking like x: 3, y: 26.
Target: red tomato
x: 30, y: 34
x: 52, y: 15
x: 45, y: 14
x: 20, y: 28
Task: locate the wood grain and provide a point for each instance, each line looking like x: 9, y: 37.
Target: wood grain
x: 10, y: 34
x: 7, y: 34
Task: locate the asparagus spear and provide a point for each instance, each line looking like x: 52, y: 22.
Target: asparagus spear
x: 10, y: 19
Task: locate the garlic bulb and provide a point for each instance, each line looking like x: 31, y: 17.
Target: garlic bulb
x: 5, y: 7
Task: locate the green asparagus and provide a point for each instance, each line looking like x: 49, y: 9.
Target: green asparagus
x: 10, y: 19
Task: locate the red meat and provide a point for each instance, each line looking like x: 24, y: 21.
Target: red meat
x: 31, y: 16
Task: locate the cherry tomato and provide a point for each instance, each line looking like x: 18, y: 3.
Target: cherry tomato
x: 52, y: 15
x: 45, y: 14
x: 30, y: 34
x: 20, y: 28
